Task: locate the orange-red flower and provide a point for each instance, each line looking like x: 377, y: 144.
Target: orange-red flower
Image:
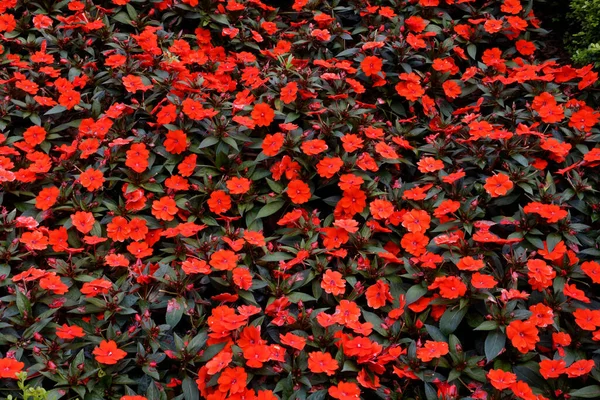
x: 587, y: 319
x: 47, y: 197
x: 381, y: 209
x: 272, y: 144
x: 592, y: 270
x: 551, y: 369
x: 378, y: 295
x: 92, y: 179
x: 333, y: 283
x: 319, y: 362
x: 451, y: 287
x: 344, y: 391
x: 314, y: 147
x: 96, y: 287
x: 9, y: 368
x: 501, y: 379
x: 430, y: 164
x: 262, y: 114
x: 371, y: 65
x: 238, y: 185
x: 118, y: 229
x: 176, y: 142
x: 329, y: 166
x: 289, y: 92
x: 498, y: 185
x: 165, y: 208
x: 416, y: 221
x: 414, y: 243
x: 223, y: 260
x: 219, y: 202
x: 232, y: 380
x: 298, y: 192
x: 52, y: 282
x: 470, y: 264
x: 34, y: 135
x: 137, y: 157
x: 523, y: 335
x: 67, y: 332
x: 432, y: 350
x: 108, y: 353
x: 83, y: 221
x: 34, y: 240
x: 134, y: 83
x: 291, y: 340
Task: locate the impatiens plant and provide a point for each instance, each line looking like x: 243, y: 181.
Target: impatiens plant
x: 300, y: 200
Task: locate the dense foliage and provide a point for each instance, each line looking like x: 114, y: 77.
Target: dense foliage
x: 583, y: 40
x: 336, y: 199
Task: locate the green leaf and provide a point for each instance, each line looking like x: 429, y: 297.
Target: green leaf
x: 209, y: 141
x: 270, y: 209
x: 175, y: 310
x: 494, y: 343
x: 318, y: 395
x: 376, y: 321
x: 472, y: 51
x: 23, y: 304
x: 415, y: 293
x: 190, y: 389
x: 487, y: 326
x: 451, y: 319
x: 55, y: 110
x: 220, y: 18
x: 588, y: 392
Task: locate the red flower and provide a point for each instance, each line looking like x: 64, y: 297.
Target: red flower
x: 219, y: 202
x: 333, y: 283
x: 371, y: 65
x: 67, y: 332
x: 501, y: 379
x: 223, y: 260
x: 83, y: 221
x: 232, y: 380
x: 550, y: 369
x: 134, y: 83
x: 53, y: 283
x: 498, y: 185
x: 176, y: 142
x: 9, y: 368
x: 592, y: 270
x: 108, y: 353
x: 34, y: 135
x: 137, y: 157
x: 96, y: 287
x: 414, y: 243
x: 432, y: 350
x: 262, y: 114
x: 298, y: 192
x: 272, y: 144
x: 291, y: 340
x: 378, y: 295
x: 523, y: 335
x: 92, y: 179
x: 319, y: 362
x: 289, y: 92
x: 238, y: 185
x: 165, y: 208
x: 345, y: 391
x: 451, y: 287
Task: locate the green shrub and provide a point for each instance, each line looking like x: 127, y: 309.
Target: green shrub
x: 584, y: 41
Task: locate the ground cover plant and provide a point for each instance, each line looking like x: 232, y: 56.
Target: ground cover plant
x: 300, y: 200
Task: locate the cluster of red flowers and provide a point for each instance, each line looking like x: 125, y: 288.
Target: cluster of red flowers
x: 221, y: 200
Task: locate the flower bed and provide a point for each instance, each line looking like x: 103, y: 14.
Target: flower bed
x: 225, y: 200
